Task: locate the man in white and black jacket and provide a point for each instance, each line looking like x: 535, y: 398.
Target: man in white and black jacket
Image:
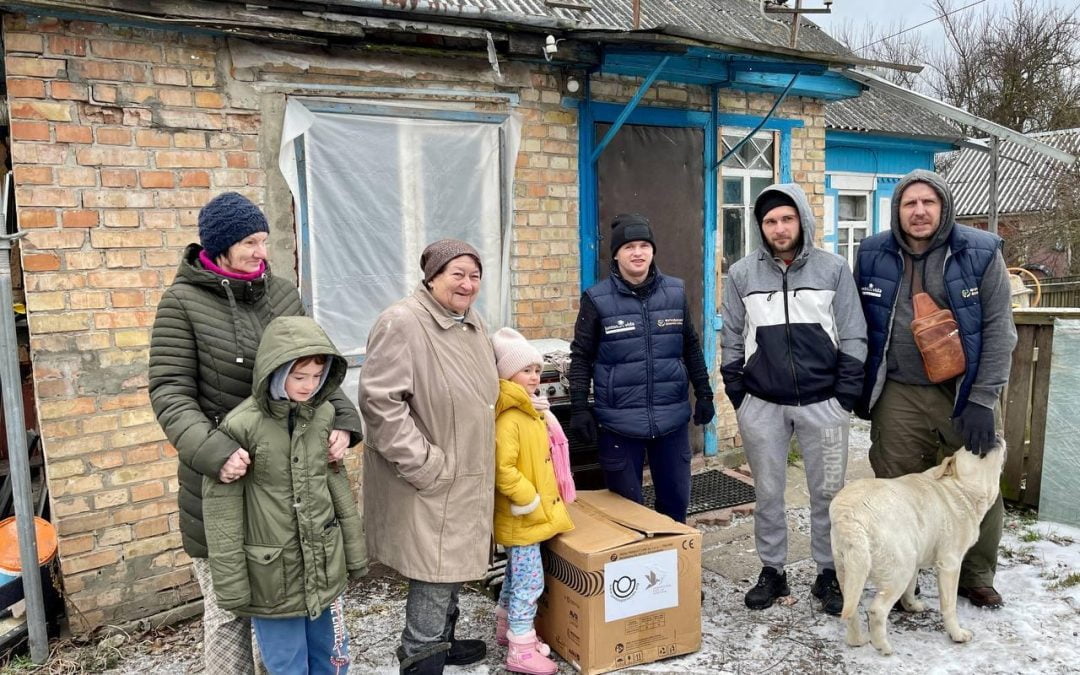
x: 793, y: 346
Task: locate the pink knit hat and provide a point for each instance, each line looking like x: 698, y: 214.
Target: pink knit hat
x: 513, y: 352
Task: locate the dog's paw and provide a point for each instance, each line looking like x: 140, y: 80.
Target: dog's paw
x: 914, y: 607
x: 961, y: 635
x: 885, y: 648
x: 857, y: 640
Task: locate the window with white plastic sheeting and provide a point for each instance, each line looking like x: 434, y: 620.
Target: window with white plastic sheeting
x: 378, y: 184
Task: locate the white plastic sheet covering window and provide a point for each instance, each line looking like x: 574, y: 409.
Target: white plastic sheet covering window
x: 377, y: 191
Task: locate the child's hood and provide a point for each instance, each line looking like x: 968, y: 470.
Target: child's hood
x: 513, y: 395
x: 286, y: 339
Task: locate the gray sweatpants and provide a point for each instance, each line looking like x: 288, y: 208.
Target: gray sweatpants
x: 822, y: 431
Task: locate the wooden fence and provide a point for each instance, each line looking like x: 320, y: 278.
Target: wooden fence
x: 1025, y: 402
x: 1060, y: 292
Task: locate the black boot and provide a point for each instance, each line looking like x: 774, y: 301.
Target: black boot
x: 826, y: 588
x: 770, y: 586
x: 424, y: 663
x: 462, y: 652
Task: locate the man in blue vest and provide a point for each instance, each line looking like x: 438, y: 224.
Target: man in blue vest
x: 793, y: 343
x: 635, y: 342
x: 913, y: 421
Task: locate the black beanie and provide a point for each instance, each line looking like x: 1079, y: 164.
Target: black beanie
x: 629, y: 227
x: 769, y: 200
x: 226, y: 219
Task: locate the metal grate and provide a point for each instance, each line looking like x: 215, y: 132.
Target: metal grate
x: 710, y: 490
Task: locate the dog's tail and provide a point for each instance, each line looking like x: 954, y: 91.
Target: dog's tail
x: 851, y: 553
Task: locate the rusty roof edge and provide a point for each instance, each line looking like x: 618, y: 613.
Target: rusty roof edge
x: 749, y: 45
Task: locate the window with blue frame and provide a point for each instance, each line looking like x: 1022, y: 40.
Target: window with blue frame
x: 743, y: 176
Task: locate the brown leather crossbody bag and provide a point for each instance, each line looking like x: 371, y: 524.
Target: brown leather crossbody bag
x: 937, y: 336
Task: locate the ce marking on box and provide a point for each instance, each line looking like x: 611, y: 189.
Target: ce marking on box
x: 689, y: 543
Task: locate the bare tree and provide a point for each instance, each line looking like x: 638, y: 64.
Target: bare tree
x: 1055, y: 234
x: 890, y: 43
x: 1019, y: 67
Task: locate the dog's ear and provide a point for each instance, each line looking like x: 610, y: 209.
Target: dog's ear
x: 946, y: 468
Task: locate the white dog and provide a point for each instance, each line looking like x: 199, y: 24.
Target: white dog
x: 884, y: 530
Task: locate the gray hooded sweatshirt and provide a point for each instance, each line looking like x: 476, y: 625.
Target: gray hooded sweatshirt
x: 793, y: 334
x: 903, y: 360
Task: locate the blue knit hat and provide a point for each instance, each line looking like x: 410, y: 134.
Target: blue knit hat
x: 226, y: 219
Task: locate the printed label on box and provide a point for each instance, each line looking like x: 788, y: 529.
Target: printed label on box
x: 642, y: 584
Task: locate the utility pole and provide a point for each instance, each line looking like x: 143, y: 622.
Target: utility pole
x: 780, y: 7
x: 992, y: 221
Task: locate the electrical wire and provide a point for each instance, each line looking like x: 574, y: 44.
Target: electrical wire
x: 918, y: 25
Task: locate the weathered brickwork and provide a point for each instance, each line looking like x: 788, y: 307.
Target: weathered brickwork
x: 119, y: 135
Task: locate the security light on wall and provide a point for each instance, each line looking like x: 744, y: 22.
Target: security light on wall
x: 551, y: 47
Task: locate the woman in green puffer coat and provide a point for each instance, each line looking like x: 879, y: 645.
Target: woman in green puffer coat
x: 202, y: 349
x: 285, y: 538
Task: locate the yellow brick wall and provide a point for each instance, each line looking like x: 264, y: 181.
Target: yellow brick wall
x: 119, y: 135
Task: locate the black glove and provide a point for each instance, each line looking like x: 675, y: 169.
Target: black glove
x: 704, y: 411
x: 976, y: 425
x: 583, y: 424
x: 736, y: 398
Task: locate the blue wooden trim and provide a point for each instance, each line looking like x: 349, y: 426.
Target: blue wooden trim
x: 750, y: 121
x: 832, y: 241
x: 402, y: 111
x: 629, y: 108
x: 661, y: 117
x: 680, y: 117
x: 306, y: 294
x: 588, y: 207
x: 839, y: 139
x: 829, y: 86
x: 785, y: 156
x: 712, y: 132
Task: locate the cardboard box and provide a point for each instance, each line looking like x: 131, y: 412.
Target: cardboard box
x: 622, y: 588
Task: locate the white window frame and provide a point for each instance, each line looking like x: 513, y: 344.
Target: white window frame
x: 848, y: 251
x: 751, y: 238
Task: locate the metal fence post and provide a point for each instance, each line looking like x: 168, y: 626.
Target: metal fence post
x: 18, y: 458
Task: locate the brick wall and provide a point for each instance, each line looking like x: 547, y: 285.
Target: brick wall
x: 119, y: 136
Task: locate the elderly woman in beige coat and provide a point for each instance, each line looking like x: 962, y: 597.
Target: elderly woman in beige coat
x: 428, y: 389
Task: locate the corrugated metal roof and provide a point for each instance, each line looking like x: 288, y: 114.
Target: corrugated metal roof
x: 738, y: 19
x: 878, y: 112
x: 1025, y: 178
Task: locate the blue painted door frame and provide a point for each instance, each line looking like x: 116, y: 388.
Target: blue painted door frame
x: 590, y: 112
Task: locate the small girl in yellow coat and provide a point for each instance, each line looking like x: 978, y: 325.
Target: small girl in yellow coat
x: 529, y: 507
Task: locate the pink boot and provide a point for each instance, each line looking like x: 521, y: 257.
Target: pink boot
x: 523, y: 656
x: 501, y: 626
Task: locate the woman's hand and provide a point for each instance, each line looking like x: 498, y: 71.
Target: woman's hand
x: 339, y: 443
x: 235, y: 466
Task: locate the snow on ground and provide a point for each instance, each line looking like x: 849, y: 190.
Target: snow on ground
x: 1036, y: 631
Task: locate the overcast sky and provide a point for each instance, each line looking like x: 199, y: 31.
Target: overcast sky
x: 908, y: 12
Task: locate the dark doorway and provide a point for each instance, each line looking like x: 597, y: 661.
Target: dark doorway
x: 658, y: 172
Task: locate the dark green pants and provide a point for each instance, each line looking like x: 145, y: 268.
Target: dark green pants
x: 910, y: 431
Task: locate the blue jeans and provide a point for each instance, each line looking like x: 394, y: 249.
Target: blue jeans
x: 623, y: 459
x: 299, y: 645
